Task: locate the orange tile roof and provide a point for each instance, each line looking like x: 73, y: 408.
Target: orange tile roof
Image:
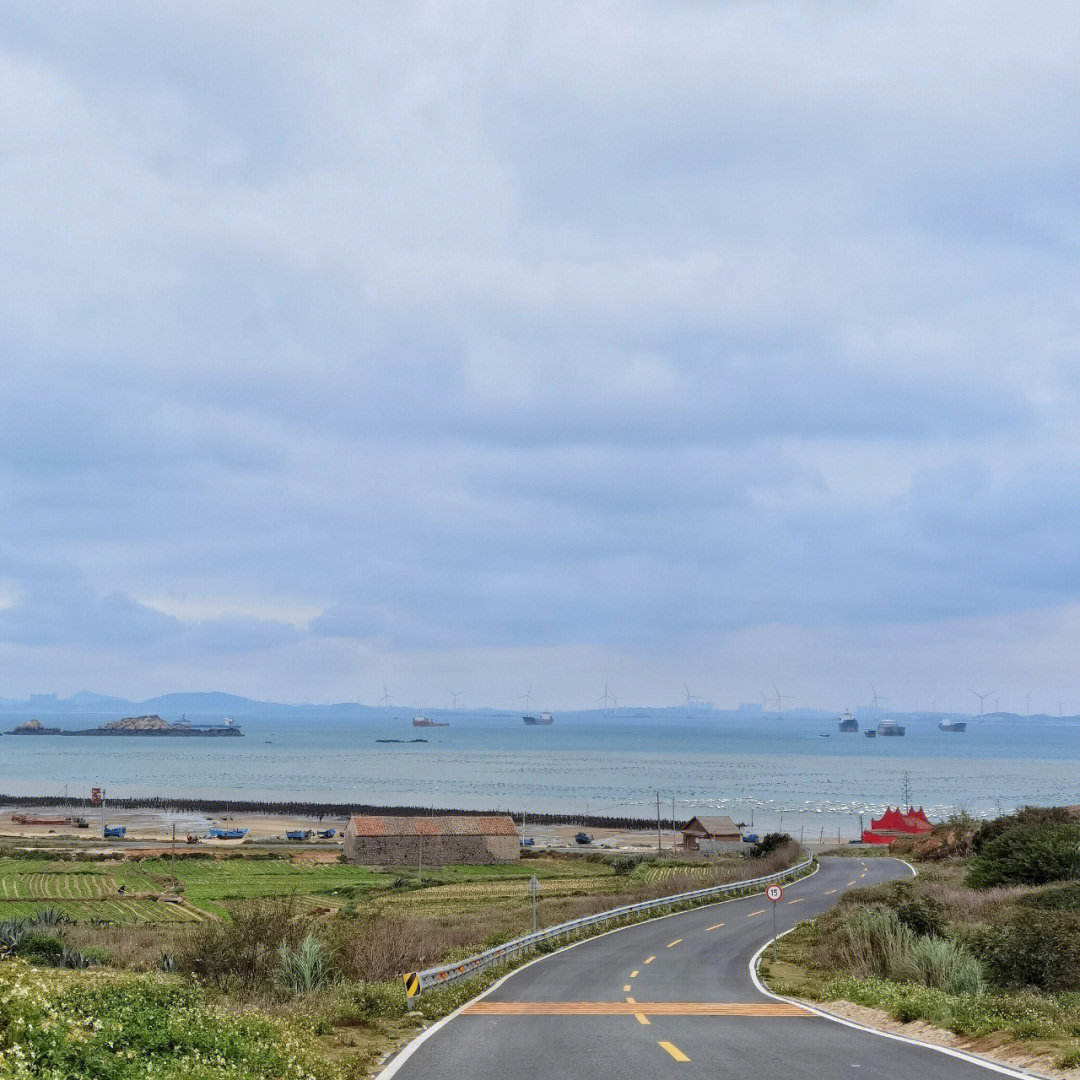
x: 450, y: 825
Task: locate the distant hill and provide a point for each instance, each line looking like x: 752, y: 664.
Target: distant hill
x: 216, y: 705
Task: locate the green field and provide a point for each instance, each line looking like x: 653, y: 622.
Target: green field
x: 86, y: 890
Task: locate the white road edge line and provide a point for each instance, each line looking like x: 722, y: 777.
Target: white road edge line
x: 410, y: 1048
x: 963, y: 1055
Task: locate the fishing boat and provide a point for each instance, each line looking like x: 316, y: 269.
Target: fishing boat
x: 952, y: 725
x: 543, y: 719
x: 886, y: 728
x: 298, y: 834
x: 227, y: 834
x: 117, y: 832
x: 848, y: 723
x: 870, y: 733
x: 426, y: 721
x: 583, y: 838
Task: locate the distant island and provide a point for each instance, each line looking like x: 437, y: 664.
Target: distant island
x: 135, y: 725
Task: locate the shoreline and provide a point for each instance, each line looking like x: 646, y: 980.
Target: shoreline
x: 309, y: 809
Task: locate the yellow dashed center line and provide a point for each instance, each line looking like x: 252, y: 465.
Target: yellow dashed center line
x: 714, y: 927
x: 753, y: 913
x: 830, y: 892
x: 669, y: 944
x: 633, y: 974
x: 631, y: 1001
x: 799, y: 901
x: 650, y: 960
x: 641, y: 1018
x: 851, y: 882
x: 627, y: 988
x: 863, y: 874
x: 674, y: 1051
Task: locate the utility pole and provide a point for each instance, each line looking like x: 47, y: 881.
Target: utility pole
x: 102, y: 813
x: 659, y: 847
x: 172, y: 857
x: 674, y: 846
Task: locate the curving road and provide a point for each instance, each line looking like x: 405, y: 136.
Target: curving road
x: 674, y: 997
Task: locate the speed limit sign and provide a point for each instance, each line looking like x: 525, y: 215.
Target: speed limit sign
x: 774, y: 892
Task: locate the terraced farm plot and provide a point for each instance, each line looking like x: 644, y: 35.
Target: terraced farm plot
x: 664, y: 872
x: 112, y: 911
x: 441, y: 898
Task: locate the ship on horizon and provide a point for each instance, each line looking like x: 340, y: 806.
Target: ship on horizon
x: 543, y: 719
x: 848, y: 723
x: 890, y: 727
x: 426, y: 721
x: 952, y: 725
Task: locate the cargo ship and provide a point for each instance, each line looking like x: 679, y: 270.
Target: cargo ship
x: 426, y: 721
x: 890, y: 727
x: 952, y: 725
x: 543, y: 719
x: 848, y: 723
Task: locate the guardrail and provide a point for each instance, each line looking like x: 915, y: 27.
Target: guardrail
x: 416, y: 982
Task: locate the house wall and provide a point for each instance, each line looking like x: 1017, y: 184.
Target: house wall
x: 434, y: 850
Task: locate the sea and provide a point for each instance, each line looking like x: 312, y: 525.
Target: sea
x: 767, y: 772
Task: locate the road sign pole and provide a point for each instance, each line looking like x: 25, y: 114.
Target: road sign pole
x: 774, y: 931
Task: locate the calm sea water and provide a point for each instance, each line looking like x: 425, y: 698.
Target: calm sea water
x: 767, y: 770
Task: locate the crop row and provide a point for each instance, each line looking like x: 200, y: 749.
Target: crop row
x: 113, y: 911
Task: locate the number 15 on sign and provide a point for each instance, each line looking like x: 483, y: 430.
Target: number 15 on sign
x: 774, y: 893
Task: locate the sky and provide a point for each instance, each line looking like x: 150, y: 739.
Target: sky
x: 673, y: 346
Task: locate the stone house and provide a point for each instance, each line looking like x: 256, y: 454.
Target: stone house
x: 385, y: 840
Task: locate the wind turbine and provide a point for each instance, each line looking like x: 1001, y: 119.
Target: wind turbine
x: 779, y: 699
x: 386, y: 696
x: 605, y: 697
x: 981, y: 697
x: 764, y: 701
x: 689, y: 700
x: 527, y: 696
x: 877, y: 697
x: 1028, y: 700
x: 455, y: 694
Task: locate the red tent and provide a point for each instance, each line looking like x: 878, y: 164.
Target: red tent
x: 893, y: 824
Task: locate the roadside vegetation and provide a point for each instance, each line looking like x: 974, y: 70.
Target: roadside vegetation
x: 273, y: 966
x: 984, y: 943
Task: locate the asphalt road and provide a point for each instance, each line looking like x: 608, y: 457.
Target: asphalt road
x: 674, y: 997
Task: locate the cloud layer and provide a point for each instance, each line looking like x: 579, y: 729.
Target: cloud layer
x: 546, y: 344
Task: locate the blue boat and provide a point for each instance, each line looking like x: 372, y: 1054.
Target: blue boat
x: 299, y: 834
x: 116, y: 832
x: 227, y: 834
x: 327, y: 834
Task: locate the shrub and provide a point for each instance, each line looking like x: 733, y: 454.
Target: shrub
x: 1028, y: 855
x: 624, y: 864
x: 1034, y: 948
x: 920, y: 913
x: 1063, y: 897
x: 364, y: 1001
x: 304, y: 968
x: 768, y: 844
x: 245, y: 949
x: 41, y: 947
x: 1026, y: 818
x: 939, y: 962
x: 872, y: 942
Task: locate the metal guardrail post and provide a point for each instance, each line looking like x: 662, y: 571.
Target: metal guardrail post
x: 416, y: 982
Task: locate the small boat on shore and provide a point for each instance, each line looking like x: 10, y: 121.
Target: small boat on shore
x: 227, y: 834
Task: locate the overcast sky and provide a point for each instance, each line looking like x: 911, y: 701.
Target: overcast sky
x: 484, y: 346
